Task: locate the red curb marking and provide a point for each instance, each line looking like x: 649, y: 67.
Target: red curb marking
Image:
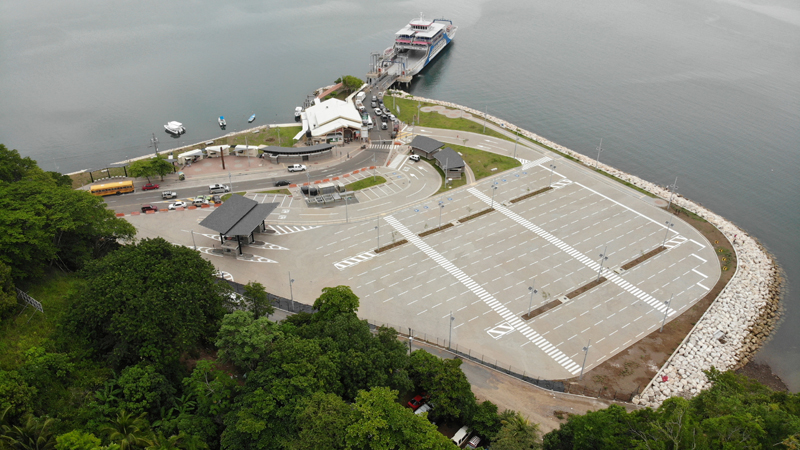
x: 373, y: 167
x: 326, y: 180
x: 193, y: 207
x: 135, y: 213
x: 335, y: 178
x: 355, y: 172
x: 292, y: 185
x: 317, y: 182
x: 305, y: 184
x: 150, y: 212
x: 120, y: 214
x: 205, y: 205
x: 345, y: 175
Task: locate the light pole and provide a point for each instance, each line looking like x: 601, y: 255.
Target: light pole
x: 552, y: 169
x: 494, y: 188
x: 585, y: 353
x: 410, y: 343
x: 247, y: 149
x: 484, y: 118
x: 291, y: 292
x: 441, y: 207
x: 672, y: 192
x: 308, y: 179
x: 599, y: 149
x: 669, y: 225
x: 346, y: 215
x: 533, y: 291
x: 450, y: 337
x: 515, y: 143
x: 230, y: 181
x: 666, y: 311
x: 603, y: 259
x: 193, y: 243
x: 378, y: 228
x: 373, y: 164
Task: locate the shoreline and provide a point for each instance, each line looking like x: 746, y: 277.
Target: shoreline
x: 747, y: 310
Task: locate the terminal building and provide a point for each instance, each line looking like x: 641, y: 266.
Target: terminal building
x: 332, y: 120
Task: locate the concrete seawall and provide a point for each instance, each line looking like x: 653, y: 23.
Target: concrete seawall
x: 746, y: 310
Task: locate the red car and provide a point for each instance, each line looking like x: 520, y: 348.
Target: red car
x: 146, y: 208
x: 149, y: 187
x: 416, y: 402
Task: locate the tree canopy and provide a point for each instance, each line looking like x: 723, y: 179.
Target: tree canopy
x: 150, y: 301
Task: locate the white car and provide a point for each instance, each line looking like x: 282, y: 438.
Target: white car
x: 414, y: 157
x: 217, y: 186
x: 297, y: 168
x: 177, y: 205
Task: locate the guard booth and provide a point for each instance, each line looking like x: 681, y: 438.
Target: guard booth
x: 237, y: 220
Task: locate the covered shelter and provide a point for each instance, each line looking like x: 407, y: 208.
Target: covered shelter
x: 425, y: 146
x: 191, y: 155
x: 216, y: 151
x: 451, y: 163
x: 296, y: 154
x: 237, y: 220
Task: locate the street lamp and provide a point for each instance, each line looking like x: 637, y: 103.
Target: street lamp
x: 533, y: 291
x: 552, y: 169
x: 346, y: 215
x: 666, y: 311
x: 193, y: 243
x: 378, y: 228
x: 515, y: 143
x: 672, y: 190
x: 230, y: 181
x: 494, y: 188
x: 450, y: 337
x: 585, y: 353
x: 441, y: 207
x: 603, y: 258
x: 599, y: 149
x: 669, y: 225
x: 291, y: 292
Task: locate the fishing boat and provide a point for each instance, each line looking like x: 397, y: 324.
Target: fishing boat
x: 175, y: 128
x: 222, y: 122
x: 251, y: 119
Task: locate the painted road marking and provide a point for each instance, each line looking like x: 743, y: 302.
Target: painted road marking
x: 512, y: 320
x: 352, y: 261
x: 285, y: 229
x: 501, y: 330
x: 647, y: 298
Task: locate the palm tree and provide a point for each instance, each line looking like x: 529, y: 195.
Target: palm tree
x: 180, y: 441
x: 128, y: 431
x: 34, y: 434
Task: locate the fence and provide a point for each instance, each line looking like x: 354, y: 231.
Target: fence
x: 277, y: 301
x: 508, y: 369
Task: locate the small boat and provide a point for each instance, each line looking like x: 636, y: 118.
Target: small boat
x: 297, y: 111
x: 175, y: 128
x: 251, y: 119
x: 222, y: 122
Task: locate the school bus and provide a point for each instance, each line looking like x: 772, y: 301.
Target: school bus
x: 115, y: 188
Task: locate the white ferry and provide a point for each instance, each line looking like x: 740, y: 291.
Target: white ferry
x: 416, y: 44
x: 175, y: 128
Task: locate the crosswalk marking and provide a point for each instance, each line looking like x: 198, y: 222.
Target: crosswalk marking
x: 611, y: 276
x: 568, y: 364
x: 287, y: 229
x: 352, y: 261
x: 528, y: 164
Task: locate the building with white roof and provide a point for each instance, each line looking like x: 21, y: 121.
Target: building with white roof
x: 327, y: 119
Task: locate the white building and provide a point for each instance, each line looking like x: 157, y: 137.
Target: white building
x: 331, y: 119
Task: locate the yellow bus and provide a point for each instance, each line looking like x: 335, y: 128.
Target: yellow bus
x: 116, y: 188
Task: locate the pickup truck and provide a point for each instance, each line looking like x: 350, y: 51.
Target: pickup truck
x: 166, y: 195
x: 297, y: 168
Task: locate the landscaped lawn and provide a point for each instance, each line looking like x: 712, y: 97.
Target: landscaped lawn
x: 276, y: 191
x: 227, y: 196
x: 482, y: 162
x: 365, y: 183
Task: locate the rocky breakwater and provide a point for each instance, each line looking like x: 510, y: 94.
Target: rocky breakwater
x: 737, y: 323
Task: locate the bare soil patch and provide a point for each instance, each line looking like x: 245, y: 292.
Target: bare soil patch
x: 643, y: 258
x: 586, y: 287
x: 519, y: 199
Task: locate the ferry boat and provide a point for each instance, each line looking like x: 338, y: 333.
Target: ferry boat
x: 175, y: 128
x: 417, y: 44
x: 222, y: 122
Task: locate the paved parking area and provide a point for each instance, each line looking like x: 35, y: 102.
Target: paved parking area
x: 480, y: 270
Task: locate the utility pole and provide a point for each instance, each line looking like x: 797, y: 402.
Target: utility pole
x: 378, y: 228
x: 672, y: 190
x: 585, y: 353
x: 669, y: 225
x: 441, y: 207
x: 154, y: 143
x: 666, y: 311
x: 494, y: 188
x: 450, y: 337
x: 533, y: 291
x: 516, y: 132
x: 603, y: 259
x: 291, y: 292
x: 599, y: 149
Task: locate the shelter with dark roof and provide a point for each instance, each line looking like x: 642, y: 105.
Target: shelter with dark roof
x: 237, y: 220
x: 291, y: 155
x: 425, y: 146
x: 451, y: 163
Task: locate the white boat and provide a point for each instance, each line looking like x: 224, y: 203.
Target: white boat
x: 417, y: 44
x: 297, y: 111
x: 175, y: 128
x: 222, y: 122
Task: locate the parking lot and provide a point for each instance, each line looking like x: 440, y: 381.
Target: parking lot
x: 480, y: 270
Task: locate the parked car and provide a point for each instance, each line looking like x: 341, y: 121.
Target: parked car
x: 282, y: 183
x: 146, y: 208
x: 423, y: 409
x: 414, y: 158
x: 216, y: 199
x: 218, y: 189
x: 474, y: 442
x: 149, y: 187
x: 384, y: 126
x: 373, y: 104
x: 297, y: 168
x: 177, y: 205
x: 374, y: 98
x: 166, y: 195
x: 416, y: 402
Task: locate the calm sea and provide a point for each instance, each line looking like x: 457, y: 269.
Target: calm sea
x: 707, y: 91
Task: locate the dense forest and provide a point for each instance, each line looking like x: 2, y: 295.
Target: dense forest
x: 141, y: 346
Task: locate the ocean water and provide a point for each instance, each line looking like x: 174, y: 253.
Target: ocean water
x: 707, y: 91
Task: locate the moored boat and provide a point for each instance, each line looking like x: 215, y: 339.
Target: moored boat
x: 251, y: 119
x: 175, y: 128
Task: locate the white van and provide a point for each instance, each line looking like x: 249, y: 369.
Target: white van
x: 218, y: 189
x: 461, y: 436
x: 369, y: 122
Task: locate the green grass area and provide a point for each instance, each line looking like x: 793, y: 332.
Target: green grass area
x: 227, y: 196
x: 20, y: 332
x: 482, y: 162
x: 277, y: 136
x: 276, y: 191
x: 408, y: 111
x: 451, y: 185
x: 365, y: 183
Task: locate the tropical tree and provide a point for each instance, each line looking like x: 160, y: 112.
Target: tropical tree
x: 32, y: 434
x: 150, y: 301
x: 245, y: 341
x: 77, y: 440
x: 445, y: 384
x: 160, y: 166
x: 517, y: 434
x: 8, y: 294
x: 128, y: 431
x: 256, y: 295
x: 142, y: 168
